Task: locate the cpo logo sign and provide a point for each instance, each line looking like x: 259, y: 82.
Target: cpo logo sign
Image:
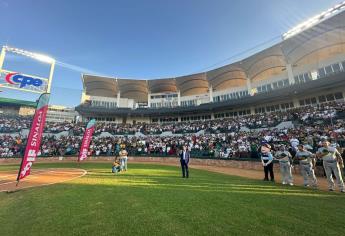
x: 22, y: 80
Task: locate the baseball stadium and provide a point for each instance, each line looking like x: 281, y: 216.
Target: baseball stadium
x: 255, y: 146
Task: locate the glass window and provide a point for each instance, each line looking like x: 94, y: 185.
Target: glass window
x: 343, y: 64
x: 328, y: 69
x: 338, y: 95
x: 330, y: 97
x: 275, y: 85
x: 307, y: 77
x: 321, y: 73
x: 296, y: 79
x: 301, y: 102
x: 313, y: 100
x: 280, y: 83
x: 336, y: 67
x: 322, y: 99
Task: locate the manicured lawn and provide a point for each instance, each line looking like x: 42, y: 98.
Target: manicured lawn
x: 155, y: 200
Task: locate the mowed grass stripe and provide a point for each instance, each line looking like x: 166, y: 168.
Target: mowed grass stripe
x: 155, y: 200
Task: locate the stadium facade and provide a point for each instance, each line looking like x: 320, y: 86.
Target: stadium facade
x: 306, y: 67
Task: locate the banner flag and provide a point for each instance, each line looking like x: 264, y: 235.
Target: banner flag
x: 90, y: 128
x: 34, y: 137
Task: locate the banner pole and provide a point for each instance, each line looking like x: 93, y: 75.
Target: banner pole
x: 34, y: 137
x: 87, y: 138
x: 21, y: 163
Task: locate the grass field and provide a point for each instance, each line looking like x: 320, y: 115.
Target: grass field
x: 155, y: 200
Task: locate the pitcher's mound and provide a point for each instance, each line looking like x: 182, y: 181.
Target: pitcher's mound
x: 38, y: 177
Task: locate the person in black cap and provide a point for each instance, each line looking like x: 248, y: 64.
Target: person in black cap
x: 267, y: 160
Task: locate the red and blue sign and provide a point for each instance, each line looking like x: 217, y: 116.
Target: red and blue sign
x: 22, y: 80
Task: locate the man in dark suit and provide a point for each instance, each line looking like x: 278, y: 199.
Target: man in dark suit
x: 184, y: 159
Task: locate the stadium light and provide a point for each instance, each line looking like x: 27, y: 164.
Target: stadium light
x: 314, y: 20
x: 37, y: 56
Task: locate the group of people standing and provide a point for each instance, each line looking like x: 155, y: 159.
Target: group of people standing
x: 120, y: 162
x: 330, y: 156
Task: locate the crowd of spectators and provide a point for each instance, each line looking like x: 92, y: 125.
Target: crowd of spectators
x: 220, y: 139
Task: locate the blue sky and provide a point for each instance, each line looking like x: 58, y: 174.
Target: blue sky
x: 142, y: 39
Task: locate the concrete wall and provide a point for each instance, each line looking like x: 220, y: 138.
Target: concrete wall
x: 249, y: 165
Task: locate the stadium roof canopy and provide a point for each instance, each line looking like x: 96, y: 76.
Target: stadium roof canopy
x: 15, y: 102
x: 100, y: 86
x: 305, y: 47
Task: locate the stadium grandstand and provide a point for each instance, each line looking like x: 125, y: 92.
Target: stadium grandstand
x: 16, y: 107
x: 306, y: 68
x: 254, y: 146
x: 292, y: 90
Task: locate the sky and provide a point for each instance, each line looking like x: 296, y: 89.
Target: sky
x: 141, y: 39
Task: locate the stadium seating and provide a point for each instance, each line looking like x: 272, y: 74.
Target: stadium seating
x: 222, y: 138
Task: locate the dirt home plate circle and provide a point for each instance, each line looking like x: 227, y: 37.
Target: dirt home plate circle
x: 38, y: 178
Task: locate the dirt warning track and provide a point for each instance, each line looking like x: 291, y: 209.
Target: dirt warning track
x: 39, y: 177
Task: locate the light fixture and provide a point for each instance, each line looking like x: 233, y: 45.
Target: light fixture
x: 315, y: 20
x: 37, y: 56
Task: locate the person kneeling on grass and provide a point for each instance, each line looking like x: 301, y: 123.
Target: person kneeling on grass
x: 116, y: 166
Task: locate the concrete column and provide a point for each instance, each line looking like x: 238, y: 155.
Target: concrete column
x: 118, y: 99
x: 179, y: 98
x: 295, y: 102
x: 149, y: 100
x: 212, y: 116
x: 252, y: 110
x: 249, y: 86
x: 290, y: 74
x: 211, y: 93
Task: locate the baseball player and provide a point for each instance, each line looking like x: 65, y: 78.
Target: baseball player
x: 306, y: 162
x: 332, y: 161
x: 285, y: 162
